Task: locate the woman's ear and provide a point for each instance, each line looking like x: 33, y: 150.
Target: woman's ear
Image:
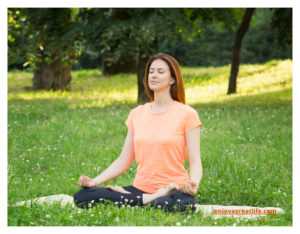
x: 172, y: 81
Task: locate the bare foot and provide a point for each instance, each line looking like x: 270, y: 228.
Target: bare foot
x: 118, y: 189
x: 166, y: 191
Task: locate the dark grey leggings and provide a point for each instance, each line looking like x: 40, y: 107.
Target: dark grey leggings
x: 96, y: 195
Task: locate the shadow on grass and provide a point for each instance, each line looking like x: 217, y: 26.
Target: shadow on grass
x: 274, y: 99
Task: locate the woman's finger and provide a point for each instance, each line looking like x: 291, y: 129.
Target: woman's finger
x: 187, y: 188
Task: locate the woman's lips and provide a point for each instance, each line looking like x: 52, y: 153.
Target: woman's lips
x: 153, y: 82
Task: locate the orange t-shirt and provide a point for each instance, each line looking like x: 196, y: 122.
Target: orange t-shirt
x: 159, y: 144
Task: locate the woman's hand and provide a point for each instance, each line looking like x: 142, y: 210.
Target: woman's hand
x: 86, y: 182
x: 189, y: 188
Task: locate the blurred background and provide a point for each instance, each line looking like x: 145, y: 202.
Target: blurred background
x: 51, y: 43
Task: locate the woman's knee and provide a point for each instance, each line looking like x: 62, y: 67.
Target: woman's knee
x: 82, y: 195
x: 79, y: 196
x: 184, y: 200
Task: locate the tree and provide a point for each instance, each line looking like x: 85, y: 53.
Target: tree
x: 46, y: 37
x: 236, y: 54
x: 140, y: 30
x: 124, y: 33
x: 282, y: 20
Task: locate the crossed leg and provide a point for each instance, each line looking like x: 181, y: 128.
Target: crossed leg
x: 164, y: 198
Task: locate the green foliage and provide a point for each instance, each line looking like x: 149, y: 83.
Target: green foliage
x: 214, y: 46
x: 34, y: 33
x: 282, y: 20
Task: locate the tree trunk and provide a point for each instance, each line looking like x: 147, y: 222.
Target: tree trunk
x: 142, y: 95
x: 53, y: 76
x: 236, y: 54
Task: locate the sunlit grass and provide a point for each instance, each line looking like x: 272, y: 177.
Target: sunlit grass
x: 54, y: 137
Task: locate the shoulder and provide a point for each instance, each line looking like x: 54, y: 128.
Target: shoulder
x: 139, y: 108
x: 186, y: 109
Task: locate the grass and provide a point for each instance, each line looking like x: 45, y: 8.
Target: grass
x: 54, y: 137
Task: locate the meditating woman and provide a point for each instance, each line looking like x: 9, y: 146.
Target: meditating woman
x: 159, y: 132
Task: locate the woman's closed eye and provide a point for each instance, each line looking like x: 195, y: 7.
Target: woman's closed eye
x: 159, y: 72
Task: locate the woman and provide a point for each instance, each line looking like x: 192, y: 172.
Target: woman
x: 158, y: 135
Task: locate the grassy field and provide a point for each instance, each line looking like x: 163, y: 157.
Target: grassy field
x: 246, y: 145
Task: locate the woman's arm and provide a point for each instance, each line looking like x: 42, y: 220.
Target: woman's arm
x: 193, y: 148
x: 121, y: 164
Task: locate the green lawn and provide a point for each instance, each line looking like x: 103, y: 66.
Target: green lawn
x: 246, y: 144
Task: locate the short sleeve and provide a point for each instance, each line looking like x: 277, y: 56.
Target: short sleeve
x: 129, y: 121
x: 192, y: 120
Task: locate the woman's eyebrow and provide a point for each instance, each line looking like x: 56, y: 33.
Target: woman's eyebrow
x: 157, y: 69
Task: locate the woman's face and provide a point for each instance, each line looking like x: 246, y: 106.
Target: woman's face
x: 159, y: 77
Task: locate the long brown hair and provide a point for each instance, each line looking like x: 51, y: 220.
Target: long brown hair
x: 177, y: 88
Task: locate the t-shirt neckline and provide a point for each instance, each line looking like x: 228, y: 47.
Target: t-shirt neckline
x: 150, y: 105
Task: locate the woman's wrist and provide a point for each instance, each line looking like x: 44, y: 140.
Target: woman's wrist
x: 94, y: 182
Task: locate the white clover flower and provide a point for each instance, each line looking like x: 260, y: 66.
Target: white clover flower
x: 188, y: 217
x: 246, y: 220
x: 131, y: 201
x: 249, y: 179
x: 70, y: 216
x: 238, y: 221
x: 117, y: 219
x: 121, y: 196
x: 178, y: 224
x: 92, y: 201
x: 219, y: 181
x: 158, y: 206
x: 132, y: 208
x: 138, y: 196
x: 47, y: 216
x: 116, y: 203
x: 184, y: 221
x: 30, y: 179
x: 215, y: 222
x: 72, y: 179
x: 198, y: 195
x: 128, y: 206
x: 27, y: 160
x: 166, y: 202
x: 279, y: 191
x: 126, y: 200
x: 82, y: 163
x: 90, y: 205
x: 100, y: 199
x: 42, y: 179
x: 179, y: 200
x: 234, y: 225
x: 284, y: 194
x: 123, y: 205
x: 100, y: 213
x: 92, y: 215
x: 277, y: 204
